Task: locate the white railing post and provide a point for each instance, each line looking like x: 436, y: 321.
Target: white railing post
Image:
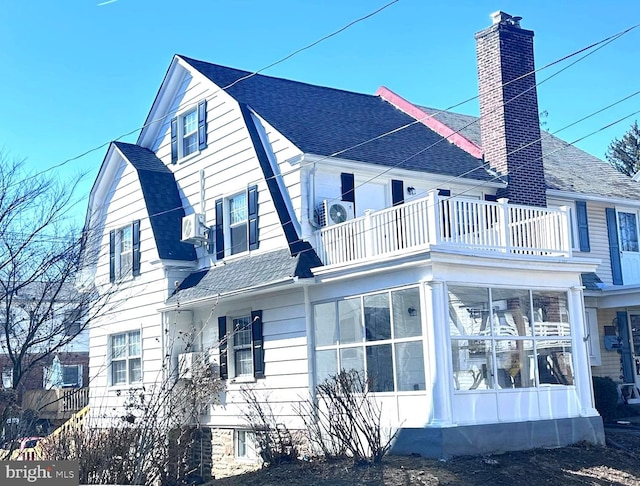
x: 368, y: 234
x: 503, y: 224
x: 433, y: 218
x: 320, y: 247
x: 565, y: 228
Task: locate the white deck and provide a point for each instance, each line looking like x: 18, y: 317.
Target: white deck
x: 465, y: 224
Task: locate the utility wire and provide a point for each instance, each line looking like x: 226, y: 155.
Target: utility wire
x: 597, y: 45
x: 275, y: 63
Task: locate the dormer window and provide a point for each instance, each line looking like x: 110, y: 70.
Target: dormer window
x: 189, y: 132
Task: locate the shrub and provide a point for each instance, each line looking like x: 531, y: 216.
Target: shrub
x: 344, y: 419
x: 606, y: 396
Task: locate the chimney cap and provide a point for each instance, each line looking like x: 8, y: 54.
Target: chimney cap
x: 501, y: 17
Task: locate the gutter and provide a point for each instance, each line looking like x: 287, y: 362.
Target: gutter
x: 590, y: 197
x: 256, y: 289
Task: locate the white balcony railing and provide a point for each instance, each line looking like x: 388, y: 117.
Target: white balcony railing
x: 448, y: 222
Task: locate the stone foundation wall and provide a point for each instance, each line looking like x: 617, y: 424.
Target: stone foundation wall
x: 224, y: 458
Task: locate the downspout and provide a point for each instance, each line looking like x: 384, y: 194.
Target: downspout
x: 312, y: 191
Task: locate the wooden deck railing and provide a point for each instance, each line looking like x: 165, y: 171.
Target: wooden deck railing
x: 449, y: 222
x: 56, y: 403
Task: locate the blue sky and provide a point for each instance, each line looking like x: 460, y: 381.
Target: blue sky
x: 78, y: 74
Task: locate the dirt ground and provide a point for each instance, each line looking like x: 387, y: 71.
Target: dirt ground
x: 618, y: 463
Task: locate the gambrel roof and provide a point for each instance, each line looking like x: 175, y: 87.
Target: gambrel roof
x: 326, y: 121
x: 162, y: 201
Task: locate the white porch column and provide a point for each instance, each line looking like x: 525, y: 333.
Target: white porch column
x: 437, y: 351
x: 582, y: 367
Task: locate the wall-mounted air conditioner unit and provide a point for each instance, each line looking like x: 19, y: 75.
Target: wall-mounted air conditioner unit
x: 335, y: 212
x: 187, y: 362
x: 193, y: 228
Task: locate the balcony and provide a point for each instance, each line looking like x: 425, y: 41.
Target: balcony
x: 471, y: 226
x: 56, y: 404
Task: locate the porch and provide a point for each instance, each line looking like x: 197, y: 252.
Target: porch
x: 56, y: 404
x: 457, y: 223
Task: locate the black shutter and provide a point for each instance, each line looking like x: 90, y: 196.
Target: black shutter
x: 222, y: 347
x: 626, y: 358
x: 258, y: 344
x: 174, y: 140
x: 112, y: 255
x: 252, y: 203
x: 219, y: 229
x: 136, y: 248
x: 583, y: 225
x: 614, y: 246
x: 202, y: 124
x: 348, y: 187
x: 491, y: 197
x: 397, y: 192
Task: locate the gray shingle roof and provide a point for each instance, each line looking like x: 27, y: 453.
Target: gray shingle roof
x: 325, y: 121
x: 566, y: 167
x: 591, y: 281
x: 243, y: 273
x: 162, y: 200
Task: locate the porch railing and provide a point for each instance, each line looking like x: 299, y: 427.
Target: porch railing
x: 448, y: 222
x: 62, y: 401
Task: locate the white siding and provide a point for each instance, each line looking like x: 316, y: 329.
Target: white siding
x: 133, y: 302
x: 286, y: 379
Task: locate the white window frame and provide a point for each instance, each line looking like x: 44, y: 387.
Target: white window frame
x: 233, y: 347
x: 128, y: 358
x: 47, y: 378
x: 538, y: 341
x: 230, y: 226
x: 7, y: 378
x: 244, y: 445
x: 363, y: 344
x: 124, y: 256
x: 183, y: 134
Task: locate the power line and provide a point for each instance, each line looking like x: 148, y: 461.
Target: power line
x: 596, y: 45
x: 289, y: 56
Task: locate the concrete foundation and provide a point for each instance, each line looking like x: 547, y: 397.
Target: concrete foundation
x: 463, y: 440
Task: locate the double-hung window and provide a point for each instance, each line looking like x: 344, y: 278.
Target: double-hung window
x: 242, y: 352
x: 124, y: 252
x: 236, y: 228
x: 126, y: 358
x: 241, y: 346
x: 189, y: 132
x: 238, y: 223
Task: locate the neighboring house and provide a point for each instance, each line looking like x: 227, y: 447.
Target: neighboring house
x: 296, y: 230
x: 53, y: 385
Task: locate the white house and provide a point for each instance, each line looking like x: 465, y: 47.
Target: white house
x: 297, y: 230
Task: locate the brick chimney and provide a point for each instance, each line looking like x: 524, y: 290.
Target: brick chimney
x: 510, y: 122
